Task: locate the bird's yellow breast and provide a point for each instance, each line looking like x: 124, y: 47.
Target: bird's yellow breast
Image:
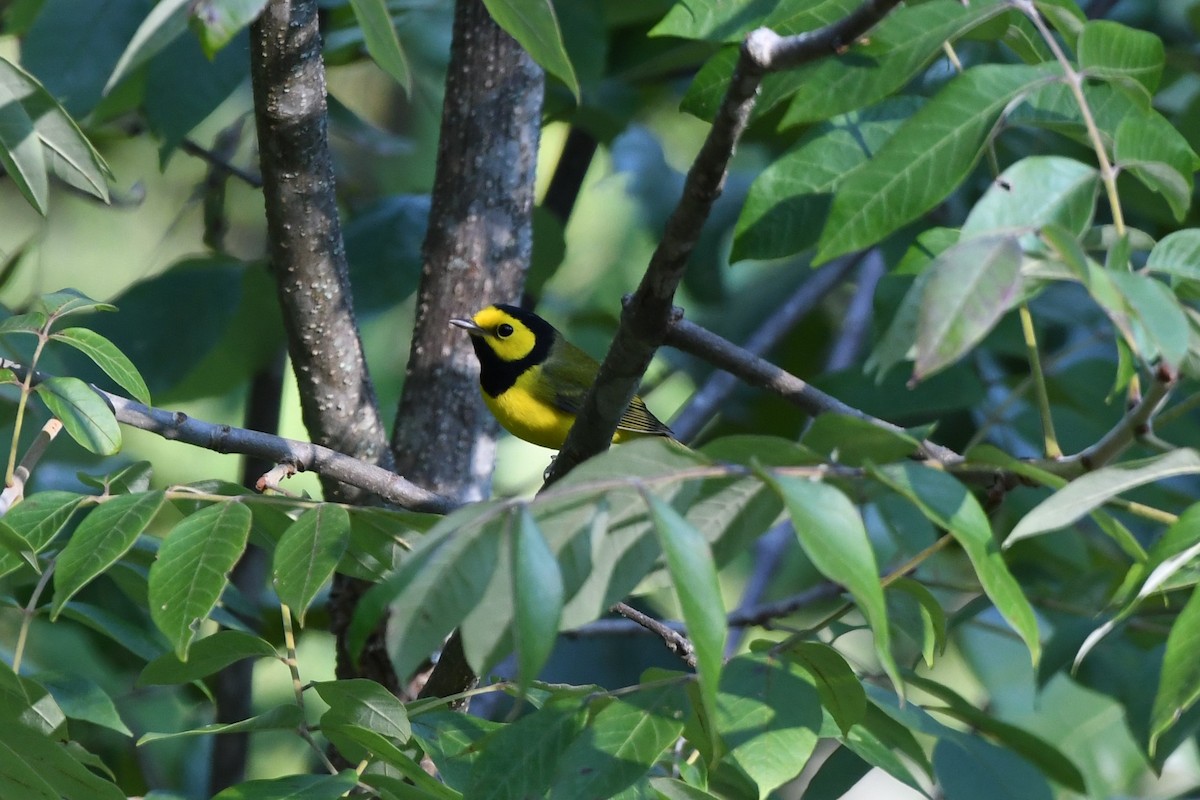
x: 528, y: 417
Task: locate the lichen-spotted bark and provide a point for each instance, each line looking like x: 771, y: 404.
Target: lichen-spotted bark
x: 475, y: 252
x: 308, y: 260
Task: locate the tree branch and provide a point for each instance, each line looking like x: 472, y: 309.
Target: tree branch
x: 706, y: 402
x: 308, y: 260
x: 675, y: 641
x: 644, y: 320
x: 691, y: 338
x: 476, y: 250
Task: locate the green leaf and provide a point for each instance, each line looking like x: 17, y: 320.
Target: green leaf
x: 65, y: 302
x: 104, y: 536
x: 1179, y: 684
x: 1043, y: 754
x: 19, y: 779
x: 1160, y: 326
x: 841, y: 693
x: 1150, y: 148
x: 82, y: 699
x: 15, y: 550
x: 382, y: 43
x: 192, y: 568
x: 622, y: 742
x: 42, y: 516
x: 136, y: 635
x: 53, y: 764
x: 788, y: 200
x: 67, y: 153
x: 216, y: 22
x: 1113, y: 52
x: 106, y: 356
x: 1177, y: 255
x: 293, y: 787
x: 694, y: 577
x: 83, y: 413
x: 968, y: 768
x: 896, y: 50
x: 537, y: 595
x: 307, y: 554
x: 450, y: 738
x: 673, y: 789
x: 1035, y: 192
x: 933, y: 617
x: 534, y: 25
x: 165, y: 22
x: 832, y: 535
x: 364, y: 704
x: 206, y: 656
x: 280, y: 718
x: 520, y: 760
x: 1069, y: 504
x: 33, y: 323
x: 970, y: 287
x: 730, y: 20
x: 926, y: 159
x: 947, y: 503
x: 854, y: 441
x: 434, y: 589
x: 20, y: 149
x: 768, y: 715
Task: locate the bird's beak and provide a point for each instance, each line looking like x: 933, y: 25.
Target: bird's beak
x: 468, y: 325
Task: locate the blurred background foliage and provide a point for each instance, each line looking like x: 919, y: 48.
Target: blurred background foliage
x: 182, y: 255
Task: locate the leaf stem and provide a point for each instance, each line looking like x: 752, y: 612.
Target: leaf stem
x: 26, y: 389
x: 293, y: 664
x: 1039, y: 383
x: 1108, y: 173
x: 27, y: 615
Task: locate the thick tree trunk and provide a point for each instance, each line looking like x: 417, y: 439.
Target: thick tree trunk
x: 309, y: 263
x: 476, y: 252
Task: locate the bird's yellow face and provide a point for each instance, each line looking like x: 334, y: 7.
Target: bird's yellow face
x: 504, y: 334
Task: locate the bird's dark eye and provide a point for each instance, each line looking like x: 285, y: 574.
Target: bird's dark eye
x: 504, y: 330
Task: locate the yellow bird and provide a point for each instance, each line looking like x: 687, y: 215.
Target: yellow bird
x: 533, y: 380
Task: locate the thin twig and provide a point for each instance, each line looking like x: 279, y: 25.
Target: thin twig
x: 1108, y: 174
x: 692, y: 338
x: 675, y: 641
x: 1051, y: 447
x: 856, y: 324
x: 16, y: 490
x: 1133, y: 425
x: 293, y: 665
x: 177, y: 426
x: 192, y: 148
x: 707, y: 401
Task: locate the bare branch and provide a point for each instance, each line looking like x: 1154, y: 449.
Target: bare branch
x: 691, y: 338
x: 644, y: 320
x: 305, y: 456
x: 16, y: 490
x: 706, y: 402
x: 675, y: 641
x: 1134, y: 425
x: 856, y: 324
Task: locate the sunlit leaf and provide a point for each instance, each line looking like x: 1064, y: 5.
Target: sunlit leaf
x: 192, y: 568
x: 307, y: 554
x: 926, y: 159
x: 105, y: 535
x: 84, y: 415
x: 382, y: 43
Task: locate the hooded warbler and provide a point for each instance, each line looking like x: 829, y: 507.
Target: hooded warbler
x: 533, y: 380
